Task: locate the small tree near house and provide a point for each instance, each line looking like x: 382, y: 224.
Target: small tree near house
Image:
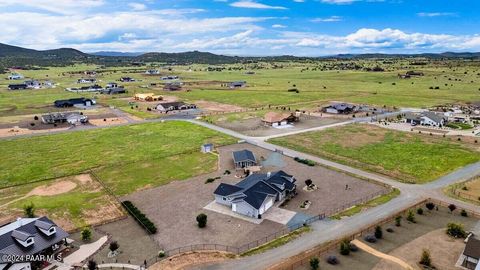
x: 29, y: 210
x: 202, y: 220
x: 86, y: 234
x: 314, y: 263
x: 398, y: 221
x: 308, y: 182
x: 114, y: 246
x: 430, y: 206
x: 452, y: 207
x: 425, y: 259
x: 378, y: 232
x: 92, y: 265
x: 411, y: 216
x: 345, y: 247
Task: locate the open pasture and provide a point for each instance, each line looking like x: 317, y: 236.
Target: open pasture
x: 407, y: 157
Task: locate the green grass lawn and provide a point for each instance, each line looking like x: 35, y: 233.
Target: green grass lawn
x: 267, y: 86
x: 29, y: 159
x: 407, y: 157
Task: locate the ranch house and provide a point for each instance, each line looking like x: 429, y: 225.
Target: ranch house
x: 275, y: 119
x: 254, y: 195
x: 471, y: 254
x: 340, y: 108
x: 174, y: 106
x: 426, y: 119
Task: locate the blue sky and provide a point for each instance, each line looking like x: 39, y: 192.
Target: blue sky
x: 244, y: 27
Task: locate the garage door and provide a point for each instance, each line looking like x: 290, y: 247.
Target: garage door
x: 268, y: 204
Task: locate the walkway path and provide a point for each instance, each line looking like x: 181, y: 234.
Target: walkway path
x: 85, y: 251
x: 382, y: 255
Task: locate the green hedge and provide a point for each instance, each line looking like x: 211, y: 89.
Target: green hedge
x: 140, y: 217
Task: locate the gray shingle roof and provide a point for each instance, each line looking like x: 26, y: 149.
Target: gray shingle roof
x: 9, y: 245
x: 243, y: 155
x: 472, y: 248
x: 257, y: 187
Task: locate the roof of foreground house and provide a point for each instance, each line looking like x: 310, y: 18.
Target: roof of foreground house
x: 25, y: 228
x: 243, y: 155
x: 257, y: 187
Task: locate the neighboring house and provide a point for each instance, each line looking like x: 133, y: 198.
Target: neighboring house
x: 114, y: 91
x: 88, y: 80
x: 148, y: 97
x: 237, y: 84
x: 278, y: 119
x: 414, y: 73
x: 243, y: 159
x: 206, y: 148
x: 426, y: 119
x: 152, y: 72
x: 15, y: 76
x: 167, y: 78
x: 48, y: 84
x: 175, y: 86
x: 58, y: 118
x: 254, y: 195
x: 64, y: 103
x: 340, y: 108
x: 28, y: 237
x: 33, y: 84
x: 20, y: 86
x: 111, y: 85
x: 127, y: 79
x: 91, y: 88
x: 174, y: 106
x: 471, y: 254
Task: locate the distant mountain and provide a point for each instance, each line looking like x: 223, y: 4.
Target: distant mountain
x: 112, y: 53
x: 18, y: 56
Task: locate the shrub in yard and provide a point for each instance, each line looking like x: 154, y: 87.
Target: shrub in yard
x: 92, y: 265
x: 227, y: 172
x: 398, y: 221
x: 430, y: 206
x: 411, y: 216
x: 420, y: 211
x: 140, y: 217
x: 35, y: 118
x: 345, y: 247
x: 308, y: 182
x: 353, y: 248
x: 378, y: 232
x: 209, y: 180
x: 332, y: 260
x: 202, y: 220
x: 161, y: 254
x: 456, y: 230
x: 114, y: 246
x: 390, y: 230
x: 29, y: 210
x: 425, y: 258
x: 86, y: 234
x: 452, y: 207
x: 314, y: 263
x: 464, y: 213
x: 370, y: 238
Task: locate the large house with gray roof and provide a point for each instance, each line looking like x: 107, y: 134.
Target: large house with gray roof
x: 27, y: 237
x: 426, y: 119
x: 254, y: 195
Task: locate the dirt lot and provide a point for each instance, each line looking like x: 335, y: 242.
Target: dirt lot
x: 254, y: 127
x: 211, y: 106
x: 444, y: 250
x: 174, y: 212
x: 135, y: 245
x: 470, y: 190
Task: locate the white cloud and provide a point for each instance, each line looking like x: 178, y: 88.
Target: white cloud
x: 253, y: 4
x: 278, y: 26
x: 339, y: 2
x: 57, y: 6
x: 435, y: 14
x: 329, y: 19
x: 137, y: 6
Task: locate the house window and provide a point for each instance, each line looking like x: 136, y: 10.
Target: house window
x: 29, y: 240
x: 224, y: 198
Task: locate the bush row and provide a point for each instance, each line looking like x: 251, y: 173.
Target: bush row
x: 305, y: 161
x: 140, y: 217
